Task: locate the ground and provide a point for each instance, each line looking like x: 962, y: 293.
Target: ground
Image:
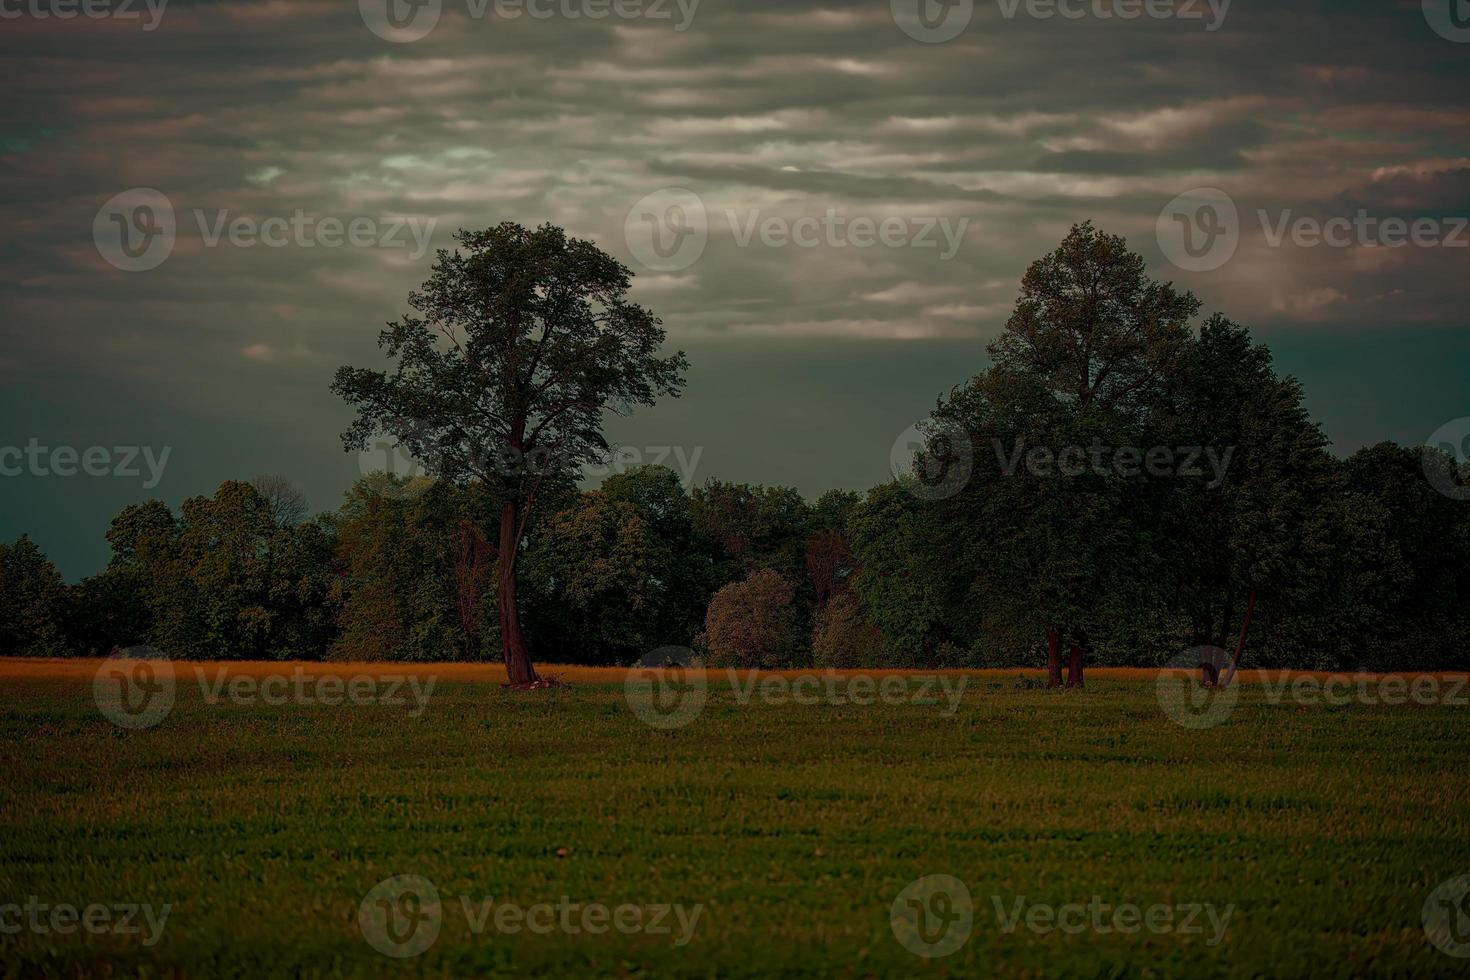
x: 796, y: 826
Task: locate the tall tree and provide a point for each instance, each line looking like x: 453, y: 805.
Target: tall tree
x: 32, y: 602
x: 1080, y: 362
x: 518, y: 347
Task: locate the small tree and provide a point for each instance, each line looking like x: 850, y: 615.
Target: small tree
x: 521, y: 344
x: 752, y: 623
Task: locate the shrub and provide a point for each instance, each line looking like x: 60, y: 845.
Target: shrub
x: 752, y: 623
x: 843, y: 638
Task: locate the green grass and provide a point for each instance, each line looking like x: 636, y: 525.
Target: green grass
x: 796, y: 827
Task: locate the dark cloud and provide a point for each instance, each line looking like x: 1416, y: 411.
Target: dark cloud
x: 780, y: 109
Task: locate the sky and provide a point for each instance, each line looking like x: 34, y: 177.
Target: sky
x: 210, y: 206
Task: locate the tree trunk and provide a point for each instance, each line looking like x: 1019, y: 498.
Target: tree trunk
x: 1209, y: 674
x: 1074, y: 666
x: 1250, y: 608
x: 1053, y: 658
x: 512, y: 641
x: 1228, y: 618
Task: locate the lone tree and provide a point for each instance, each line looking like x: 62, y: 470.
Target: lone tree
x: 518, y: 347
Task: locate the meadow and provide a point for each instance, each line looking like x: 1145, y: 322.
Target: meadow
x: 792, y: 823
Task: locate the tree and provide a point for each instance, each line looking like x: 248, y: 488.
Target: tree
x: 752, y: 624
x: 397, y: 589
x: 1082, y: 357
x: 286, y: 504
x: 903, y: 579
x: 842, y: 637
x: 603, y: 575
x: 1231, y: 544
x: 32, y: 602
x: 518, y: 348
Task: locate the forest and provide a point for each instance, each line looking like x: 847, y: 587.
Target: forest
x: 1123, y: 481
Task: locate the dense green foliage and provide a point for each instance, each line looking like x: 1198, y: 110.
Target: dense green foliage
x: 264, y: 826
x: 1125, y: 480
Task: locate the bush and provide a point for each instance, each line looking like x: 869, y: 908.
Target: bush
x: 753, y: 623
x: 843, y: 638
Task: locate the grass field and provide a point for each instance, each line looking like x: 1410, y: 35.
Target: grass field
x: 793, y: 826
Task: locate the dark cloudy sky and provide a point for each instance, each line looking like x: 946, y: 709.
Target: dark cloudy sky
x: 808, y: 359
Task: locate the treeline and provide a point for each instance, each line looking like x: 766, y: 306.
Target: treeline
x: 1119, y: 485
x: 758, y: 577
